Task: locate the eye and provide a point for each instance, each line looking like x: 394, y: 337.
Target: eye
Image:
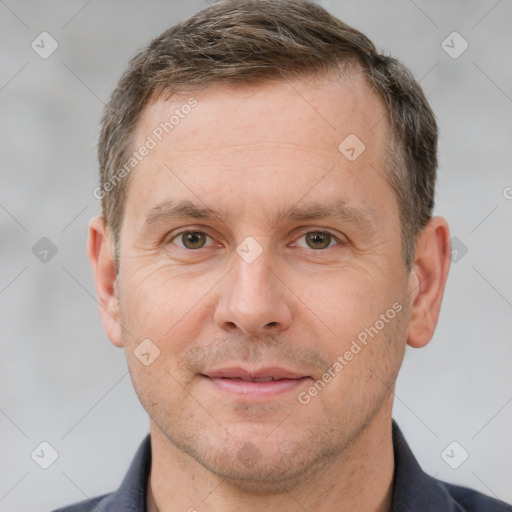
x: 190, y: 239
x: 196, y: 239
x: 318, y: 239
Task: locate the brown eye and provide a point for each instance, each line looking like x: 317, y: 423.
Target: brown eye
x: 193, y: 239
x: 318, y: 239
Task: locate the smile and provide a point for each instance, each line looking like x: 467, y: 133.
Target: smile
x: 254, y: 385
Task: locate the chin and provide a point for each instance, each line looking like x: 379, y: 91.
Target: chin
x: 253, y: 461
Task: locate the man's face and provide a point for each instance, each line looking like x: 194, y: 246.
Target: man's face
x: 271, y: 286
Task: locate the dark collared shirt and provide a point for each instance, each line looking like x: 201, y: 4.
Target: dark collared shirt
x: 413, y: 490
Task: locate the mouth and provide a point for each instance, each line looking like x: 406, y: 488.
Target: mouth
x: 255, y: 384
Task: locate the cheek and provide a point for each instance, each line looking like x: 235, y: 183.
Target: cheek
x: 365, y: 373
x: 159, y: 389
x: 157, y: 302
x: 347, y: 302
x: 364, y: 321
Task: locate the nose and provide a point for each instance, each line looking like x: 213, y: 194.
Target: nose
x: 253, y: 299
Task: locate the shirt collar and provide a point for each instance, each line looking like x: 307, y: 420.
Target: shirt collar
x: 413, y: 489
x: 131, y: 495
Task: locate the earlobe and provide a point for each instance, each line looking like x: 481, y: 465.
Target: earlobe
x: 105, y: 278
x: 428, y: 280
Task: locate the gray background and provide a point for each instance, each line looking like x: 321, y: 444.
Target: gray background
x: 62, y: 381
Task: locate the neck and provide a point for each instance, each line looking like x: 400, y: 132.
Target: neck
x: 360, y: 478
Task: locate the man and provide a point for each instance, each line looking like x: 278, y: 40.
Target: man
x: 265, y: 252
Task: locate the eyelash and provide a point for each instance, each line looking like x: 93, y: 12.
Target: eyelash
x: 333, y: 238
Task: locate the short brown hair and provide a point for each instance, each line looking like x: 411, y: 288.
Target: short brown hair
x: 257, y: 41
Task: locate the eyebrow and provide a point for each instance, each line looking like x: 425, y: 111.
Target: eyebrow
x: 175, y: 210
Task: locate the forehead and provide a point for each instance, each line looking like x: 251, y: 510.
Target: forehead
x: 272, y: 141
x: 331, y: 106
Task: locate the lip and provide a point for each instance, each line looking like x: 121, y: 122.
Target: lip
x: 240, y: 382
x: 275, y: 373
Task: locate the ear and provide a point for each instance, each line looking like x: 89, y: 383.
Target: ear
x: 102, y: 262
x: 427, y: 281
